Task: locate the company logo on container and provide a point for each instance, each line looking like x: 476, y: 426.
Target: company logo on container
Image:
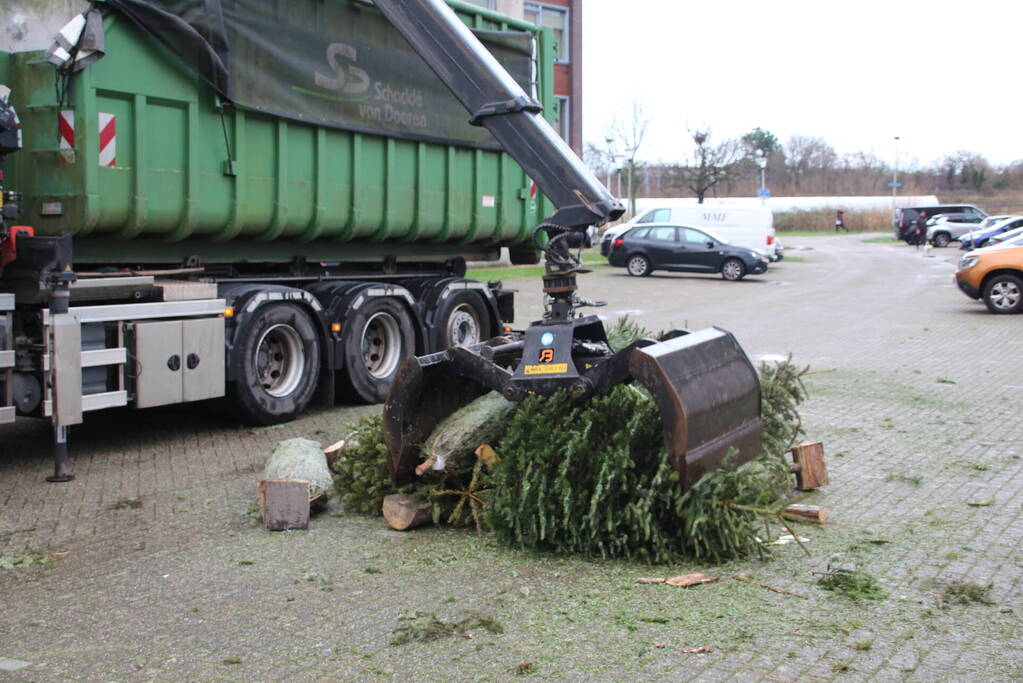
x: 107, y: 139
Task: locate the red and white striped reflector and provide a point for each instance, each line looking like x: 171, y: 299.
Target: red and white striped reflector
x: 66, y: 124
x: 107, y: 139
x: 532, y: 190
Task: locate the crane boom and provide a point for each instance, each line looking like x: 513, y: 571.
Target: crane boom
x: 496, y: 101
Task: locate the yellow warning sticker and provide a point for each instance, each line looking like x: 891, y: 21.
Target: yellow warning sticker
x: 552, y: 369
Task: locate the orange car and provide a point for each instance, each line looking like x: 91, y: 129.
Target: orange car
x: 995, y: 275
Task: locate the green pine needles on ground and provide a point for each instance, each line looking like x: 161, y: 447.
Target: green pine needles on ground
x: 591, y: 476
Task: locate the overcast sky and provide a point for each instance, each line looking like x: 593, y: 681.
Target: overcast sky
x: 943, y: 76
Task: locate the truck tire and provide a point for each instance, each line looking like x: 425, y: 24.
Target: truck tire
x: 378, y: 338
x: 1004, y: 294
x: 462, y: 320
x: 276, y: 359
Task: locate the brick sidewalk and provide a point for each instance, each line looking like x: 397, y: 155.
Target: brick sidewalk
x: 168, y: 576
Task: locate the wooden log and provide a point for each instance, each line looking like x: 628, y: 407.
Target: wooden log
x: 333, y: 452
x: 687, y: 580
x: 811, y: 513
x: 403, y: 513
x: 284, y: 503
x: 809, y: 466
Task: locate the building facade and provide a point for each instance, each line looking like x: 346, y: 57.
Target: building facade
x: 564, y: 18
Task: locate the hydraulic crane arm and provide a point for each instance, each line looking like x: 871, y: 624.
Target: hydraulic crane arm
x: 497, y: 102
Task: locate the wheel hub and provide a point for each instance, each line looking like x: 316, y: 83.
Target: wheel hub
x: 280, y: 357
x: 463, y: 326
x: 1005, y: 295
x: 381, y: 345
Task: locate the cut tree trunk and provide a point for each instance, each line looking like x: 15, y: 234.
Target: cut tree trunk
x: 403, y: 513
x: 808, y: 464
x: 812, y: 513
x: 284, y: 503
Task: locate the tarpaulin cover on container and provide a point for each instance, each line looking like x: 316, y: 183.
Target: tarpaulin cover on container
x: 331, y: 62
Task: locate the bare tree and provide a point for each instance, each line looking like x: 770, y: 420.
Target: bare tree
x: 805, y: 154
x: 965, y: 170
x: 625, y: 138
x: 709, y: 164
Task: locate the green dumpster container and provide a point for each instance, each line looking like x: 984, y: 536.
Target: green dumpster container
x: 142, y: 161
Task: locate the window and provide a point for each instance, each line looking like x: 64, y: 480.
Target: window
x: 554, y: 18
x: 637, y: 233
x: 691, y: 236
x: 662, y: 234
x: 562, y: 118
x: 656, y: 216
x: 486, y: 4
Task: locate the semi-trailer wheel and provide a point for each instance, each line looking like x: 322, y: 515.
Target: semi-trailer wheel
x: 276, y: 359
x: 462, y: 320
x: 378, y: 338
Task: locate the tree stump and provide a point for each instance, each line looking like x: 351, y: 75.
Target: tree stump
x: 284, y: 503
x: 808, y: 465
x: 403, y: 513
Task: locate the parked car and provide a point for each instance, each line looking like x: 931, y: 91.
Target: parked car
x: 644, y: 249
x: 1008, y: 237
x: 747, y: 226
x: 946, y: 229
x: 979, y: 238
x: 904, y: 220
x: 994, y: 275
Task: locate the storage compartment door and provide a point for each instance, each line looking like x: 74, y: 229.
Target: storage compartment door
x: 159, y: 364
x: 203, y: 358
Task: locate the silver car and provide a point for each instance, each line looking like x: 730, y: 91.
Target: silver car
x: 945, y: 230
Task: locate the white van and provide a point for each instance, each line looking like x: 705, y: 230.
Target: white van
x: 748, y: 226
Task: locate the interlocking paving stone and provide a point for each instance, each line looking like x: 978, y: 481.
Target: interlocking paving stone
x: 157, y: 591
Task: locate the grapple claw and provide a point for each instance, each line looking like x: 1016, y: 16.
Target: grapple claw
x: 706, y: 389
x: 708, y: 393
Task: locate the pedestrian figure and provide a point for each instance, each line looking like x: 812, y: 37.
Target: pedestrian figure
x: 920, y: 231
x: 840, y: 221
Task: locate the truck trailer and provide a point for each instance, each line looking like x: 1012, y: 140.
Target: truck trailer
x: 273, y: 203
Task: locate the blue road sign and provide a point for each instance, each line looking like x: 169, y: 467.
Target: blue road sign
x: 894, y: 184
x: 763, y: 193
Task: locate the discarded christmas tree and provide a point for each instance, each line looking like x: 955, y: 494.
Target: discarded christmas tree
x: 588, y: 476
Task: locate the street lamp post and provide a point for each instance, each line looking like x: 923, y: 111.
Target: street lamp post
x: 762, y: 163
x: 610, y: 159
x: 895, y: 173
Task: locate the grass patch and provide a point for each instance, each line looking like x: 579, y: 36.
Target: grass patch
x: 880, y: 240
x: 795, y: 259
x: 944, y: 380
x: 852, y: 583
x: 914, y: 480
x: 959, y: 592
x: 17, y: 560
x: 427, y: 626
